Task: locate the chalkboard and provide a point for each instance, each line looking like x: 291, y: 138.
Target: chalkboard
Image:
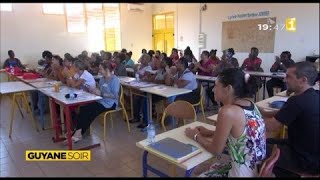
x: 243, y: 34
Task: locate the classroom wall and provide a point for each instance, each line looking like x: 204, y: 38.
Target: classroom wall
x: 305, y: 41
x: 29, y: 32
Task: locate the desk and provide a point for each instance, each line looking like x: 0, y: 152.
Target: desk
x: 164, y: 91
x: 206, y: 78
x: 213, y: 118
x: 134, y: 88
x: 59, y: 98
x: 33, y: 80
x: 15, y: 88
x: 265, y: 75
x: 265, y: 104
x: 179, y: 135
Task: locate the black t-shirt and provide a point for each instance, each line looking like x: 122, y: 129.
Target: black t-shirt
x: 301, y: 115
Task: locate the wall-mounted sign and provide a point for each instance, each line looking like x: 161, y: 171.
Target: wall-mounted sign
x: 249, y: 15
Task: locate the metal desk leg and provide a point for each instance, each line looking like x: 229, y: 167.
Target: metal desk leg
x: 189, y: 172
x: 146, y: 167
x: 56, y: 125
x: 150, y: 107
x: 131, y: 103
x: 68, y: 123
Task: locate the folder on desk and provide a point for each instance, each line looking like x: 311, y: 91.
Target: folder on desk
x: 174, y: 150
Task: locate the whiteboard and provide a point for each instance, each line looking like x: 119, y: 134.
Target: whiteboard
x: 242, y: 35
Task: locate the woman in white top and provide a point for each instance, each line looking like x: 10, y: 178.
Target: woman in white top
x: 82, y: 78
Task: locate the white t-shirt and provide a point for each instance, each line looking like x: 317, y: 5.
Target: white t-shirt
x: 88, y: 80
x: 143, y: 70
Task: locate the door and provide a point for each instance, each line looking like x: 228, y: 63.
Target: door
x: 163, y: 32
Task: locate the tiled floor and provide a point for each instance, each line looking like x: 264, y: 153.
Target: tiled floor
x: 117, y: 157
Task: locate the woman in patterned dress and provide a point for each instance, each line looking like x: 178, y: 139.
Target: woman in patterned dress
x: 240, y: 128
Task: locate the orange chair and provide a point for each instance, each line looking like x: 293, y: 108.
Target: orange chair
x: 268, y: 164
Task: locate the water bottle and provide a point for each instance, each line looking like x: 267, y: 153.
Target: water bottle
x: 151, y: 133
x: 71, y: 94
x: 137, y: 77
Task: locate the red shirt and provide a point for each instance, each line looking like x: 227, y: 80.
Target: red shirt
x: 175, y: 59
x: 206, y: 66
x: 215, y: 61
x: 249, y: 64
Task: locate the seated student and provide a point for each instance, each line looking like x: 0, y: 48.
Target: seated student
x: 139, y: 100
x: 190, y: 57
x: 123, y: 51
x: 12, y: 61
x: 108, y: 89
x: 184, y: 79
x: 252, y: 63
x: 280, y: 65
x: 120, y: 68
x: 300, y: 152
x: 114, y: 55
x: 205, y: 66
x: 214, y: 58
x: 229, y: 53
x: 129, y: 61
x: 156, y: 61
x: 94, y: 65
x: 47, y: 71
x: 107, y: 57
x: 82, y: 78
x: 57, y: 68
x: 174, y: 56
x: 68, y: 70
x: 240, y: 127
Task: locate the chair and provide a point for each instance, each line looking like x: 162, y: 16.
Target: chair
x: 268, y: 164
x: 121, y: 108
x: 180, y: 110
x: 200, y: 103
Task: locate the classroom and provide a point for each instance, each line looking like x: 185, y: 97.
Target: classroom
x: 159, y: 90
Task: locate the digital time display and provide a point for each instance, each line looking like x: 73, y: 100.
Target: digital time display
x: 289, y: 26
x: 270, y: 27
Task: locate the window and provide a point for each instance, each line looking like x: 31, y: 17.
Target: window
x: 6, y: 7
x: 95, y: 26
x: 53, y: 8
x: 112, y: 26
x: 76, y: 21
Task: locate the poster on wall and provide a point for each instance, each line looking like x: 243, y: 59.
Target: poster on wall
x: 241, y: 35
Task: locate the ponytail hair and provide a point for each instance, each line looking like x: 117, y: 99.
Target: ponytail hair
x: 240, y: 82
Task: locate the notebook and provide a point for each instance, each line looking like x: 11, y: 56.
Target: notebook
x: 174, y: 150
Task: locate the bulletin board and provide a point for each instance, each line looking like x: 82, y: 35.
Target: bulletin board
x: 243, y: 34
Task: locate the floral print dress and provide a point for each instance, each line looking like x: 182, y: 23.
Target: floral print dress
x: 246, y: 152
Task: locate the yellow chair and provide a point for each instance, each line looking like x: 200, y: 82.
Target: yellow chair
x: 121, y: 107
x: 179, y: 110
x: 200, y: 103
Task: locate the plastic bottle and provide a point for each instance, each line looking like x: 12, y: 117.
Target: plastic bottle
x: 151, y: 132
x: 137, y: 77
